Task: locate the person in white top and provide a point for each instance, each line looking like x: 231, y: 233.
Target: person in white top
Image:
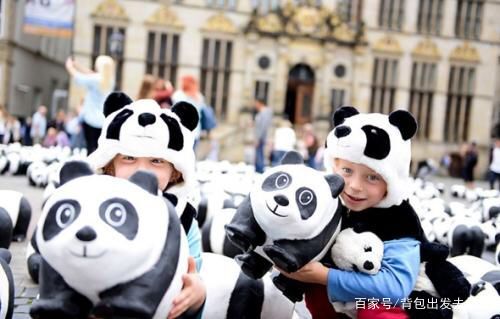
x: 494, y: 173
x: 284, y: 140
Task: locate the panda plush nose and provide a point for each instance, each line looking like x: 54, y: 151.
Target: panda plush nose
x: 146, y: 119
x: 342, y: 131
x: 368, y: 265
x: 87, y: 233
x: 281, y: 200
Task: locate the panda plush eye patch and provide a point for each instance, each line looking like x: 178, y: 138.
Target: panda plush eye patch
x: 276, y: 181
x: 176, y: 140
x: 115, y: 126
x: 378, y: 143
x: 118, y: 213
x: 306, y: 201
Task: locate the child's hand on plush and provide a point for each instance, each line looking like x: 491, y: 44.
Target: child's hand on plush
x: 192, y: 295
x: 313, y: 272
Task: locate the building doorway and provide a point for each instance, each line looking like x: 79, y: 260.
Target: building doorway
x: 299, y: 94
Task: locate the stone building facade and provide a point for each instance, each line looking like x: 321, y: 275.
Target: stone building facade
x: 440, y: 59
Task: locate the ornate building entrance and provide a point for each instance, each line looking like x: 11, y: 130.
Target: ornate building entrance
x: 299, y: 94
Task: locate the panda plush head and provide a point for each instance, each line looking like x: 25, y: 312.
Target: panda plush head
x: 143, y: 129
x: 295, y: 201
x: 97, y: 231
x: 381, y: 142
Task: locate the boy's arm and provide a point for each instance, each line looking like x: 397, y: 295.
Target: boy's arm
x: 395, y: 280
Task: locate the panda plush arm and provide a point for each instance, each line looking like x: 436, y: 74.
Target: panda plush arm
x: 57, y: 300
x: 6, y: 228
x: 243, y: 230
x: 291, y: 255
x: 395, y: 280
x: 136, y: 299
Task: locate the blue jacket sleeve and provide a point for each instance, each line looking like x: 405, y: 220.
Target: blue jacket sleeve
x: 194, y: 242
x: 395, y: 280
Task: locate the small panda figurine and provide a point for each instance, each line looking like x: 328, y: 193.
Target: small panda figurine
x: 115, y: 250
x: 232, y: 294
x: 288, y: 220
x: 15, y: 217
x: 6, y: 286
x: 213, y: 236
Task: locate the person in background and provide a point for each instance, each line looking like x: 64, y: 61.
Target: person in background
x: 311, y: 144
x: 262, y: 123
x: 470, y: 162
x: 284, y: 141
x: 494, y: 173
x: 163, y: 91
x: 12, y: 130
x: 190, y: 93
x: 99, y: 84
x: 39, y: 124
x: 146, y: 91
x: 26, y: 132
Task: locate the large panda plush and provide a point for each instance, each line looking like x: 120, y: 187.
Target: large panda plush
x: 15, y: 217
x: 232, y: 294
x: 289, y: 219
x: 6, y: 286
x: 115, y: 250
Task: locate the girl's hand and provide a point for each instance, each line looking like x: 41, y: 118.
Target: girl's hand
x: 313, y: 272
x: 192, y: 294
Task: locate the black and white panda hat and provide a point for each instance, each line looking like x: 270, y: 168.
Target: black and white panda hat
x: 142, y: 129
x: 381, y: 142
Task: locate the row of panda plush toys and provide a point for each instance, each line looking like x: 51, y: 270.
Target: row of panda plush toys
x: 98, y: 251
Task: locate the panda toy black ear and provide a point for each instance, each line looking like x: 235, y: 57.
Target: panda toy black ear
x: 405, y: 122
x: 336, y: 184
x: 342, y: 113
x: 187, y: 113
x: 72, y: 170
x: 115, y: 101
x: 292, y: 157
x: 146, y: 181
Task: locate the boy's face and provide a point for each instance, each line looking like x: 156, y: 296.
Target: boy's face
x: 364, y: 188
x: 125, y: 166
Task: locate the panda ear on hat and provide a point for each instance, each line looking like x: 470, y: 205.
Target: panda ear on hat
x: 72, y: 170
x: 405, y: 122
x: 336, y: 183
x: 342, y: 113
x: 115, y: 101
x: 187, y: 113
x: 145, y: 180
x: 292, y: 157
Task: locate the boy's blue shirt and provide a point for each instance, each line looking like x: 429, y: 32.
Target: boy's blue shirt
x: 395, y: 280
x: 194, y: 242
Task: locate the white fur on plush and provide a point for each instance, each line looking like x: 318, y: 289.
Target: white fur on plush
x: 358, y: 251
x: 394, y: 168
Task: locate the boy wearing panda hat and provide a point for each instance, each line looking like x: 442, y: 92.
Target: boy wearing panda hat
x: 372, y: 152
x: 141, y: 136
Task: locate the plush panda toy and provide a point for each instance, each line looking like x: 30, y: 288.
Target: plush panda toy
x: 213, y: 236
x: 6, y: 286
x: 15, y: 217
x: 289, y: 219
x: 115, y: 250
x: 232, y: 294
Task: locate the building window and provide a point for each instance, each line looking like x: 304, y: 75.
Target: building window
x: 391, y: 14
x: 337, y: 99
x: 384, y: 81
x: 350, y: 10
x: 262, y: 90
x: 215, y: 73
x: 468, y: 18
x: 423, y: 83
x: 110, y: 40
x: 458, y: 104
x: 430, y: 15
x: 162, y: 55
x: 265, y: 6
x: 222, y: 4
x: 2, y: 10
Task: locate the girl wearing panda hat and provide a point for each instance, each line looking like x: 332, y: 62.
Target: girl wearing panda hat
x: 372, y: 152
x: 141, y: 136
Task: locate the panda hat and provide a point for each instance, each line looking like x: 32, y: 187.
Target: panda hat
x: 143, y: 129
x: 381, y: 142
